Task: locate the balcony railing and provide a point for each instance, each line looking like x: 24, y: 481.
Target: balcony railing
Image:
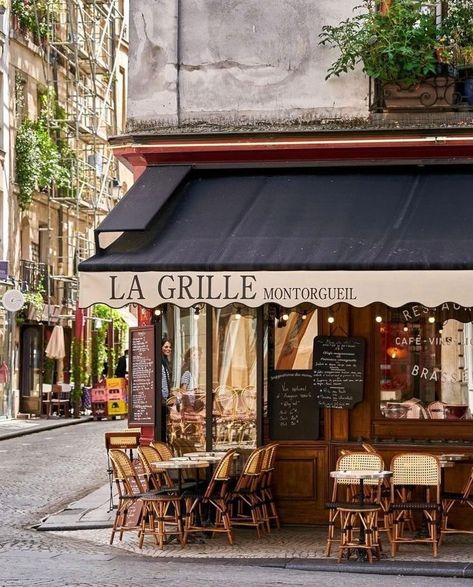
x: 450, y: 90
x: 34, y: 276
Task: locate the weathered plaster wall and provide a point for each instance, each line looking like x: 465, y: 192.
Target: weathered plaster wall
x: 236, y: 62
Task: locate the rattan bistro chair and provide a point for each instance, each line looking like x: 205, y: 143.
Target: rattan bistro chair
x: 268, y: 505
x: 164, y: 449
x: 245, y: 503
x: 213, y: 497
x: 140, y: 509
x: 345, y: 491
x: 157, y: 479
x: 414, y: 472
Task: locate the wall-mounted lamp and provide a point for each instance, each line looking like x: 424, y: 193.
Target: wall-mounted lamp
x: 330, y: 319
x: 238, y: 314
x: 379, y: 319
x: 304, y: 315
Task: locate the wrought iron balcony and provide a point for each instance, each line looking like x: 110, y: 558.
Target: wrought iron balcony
x: 450, y: 90
x: 34, y: 276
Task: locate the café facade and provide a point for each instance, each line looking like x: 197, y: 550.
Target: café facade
x: 316, y: 292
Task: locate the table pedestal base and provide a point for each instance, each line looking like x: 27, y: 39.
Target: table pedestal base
x: 359, y: 532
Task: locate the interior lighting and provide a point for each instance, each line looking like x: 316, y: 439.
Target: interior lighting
x: 285, y: 317
x: 406, y: 328
x: 379, y: 319
x: 157, y: 312
x: 196, y: 313
x: 431, y: 319
x: 238, y: 314
x: 304, y: 315
x: 330, y: 319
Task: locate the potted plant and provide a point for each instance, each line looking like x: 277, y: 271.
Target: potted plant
x: 396, y: 46
x: 457, y: 33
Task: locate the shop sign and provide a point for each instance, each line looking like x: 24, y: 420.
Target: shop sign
x: 286, y: 288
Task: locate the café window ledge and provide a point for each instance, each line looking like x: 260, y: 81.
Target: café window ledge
x: 439, y: 430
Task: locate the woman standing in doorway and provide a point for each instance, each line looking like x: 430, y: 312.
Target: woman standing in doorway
x: 166, y: 350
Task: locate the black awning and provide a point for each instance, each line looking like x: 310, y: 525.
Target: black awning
x: 144, y: 199
x: 369, y: 218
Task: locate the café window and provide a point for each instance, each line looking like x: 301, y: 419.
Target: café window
x: 186, y: 330
x: 426, y: 362
x: 234, y: 377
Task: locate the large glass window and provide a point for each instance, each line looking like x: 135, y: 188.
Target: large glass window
x: 234, y: 377
x: 185, y: 329
x: 426, y: 361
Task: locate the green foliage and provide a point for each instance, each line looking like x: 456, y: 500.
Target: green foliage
x: 457, y: 32
x: 32, y: 15
x: 99, y: 350
x: 395, y: 45
x: 79, y: 368
x: 28, y: 162
x: 41, y: 162
x: 457, y: 26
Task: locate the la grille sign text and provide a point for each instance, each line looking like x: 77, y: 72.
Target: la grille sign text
x: 225, y: 287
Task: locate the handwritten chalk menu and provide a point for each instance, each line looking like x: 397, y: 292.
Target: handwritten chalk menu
x: 292, y: 408
x: 339, y: 364
x: 142, y: 380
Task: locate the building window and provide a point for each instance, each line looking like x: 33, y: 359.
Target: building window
x: 426, y: 361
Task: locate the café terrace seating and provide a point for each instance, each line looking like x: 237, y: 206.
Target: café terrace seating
x: 140, y: 509
x: 345, y: 492
x: 415, y: 488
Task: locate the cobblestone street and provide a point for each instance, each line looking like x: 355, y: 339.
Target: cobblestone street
x: 43, y: 472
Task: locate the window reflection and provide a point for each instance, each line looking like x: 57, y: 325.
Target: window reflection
x: 186, y: 404
x: 294, y: 339
x: 234, y: 377
x: 426, y: 364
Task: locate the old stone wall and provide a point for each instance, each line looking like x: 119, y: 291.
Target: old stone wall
x: 237, y: 63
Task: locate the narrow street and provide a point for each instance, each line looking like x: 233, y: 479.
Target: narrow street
x: 43, y: 472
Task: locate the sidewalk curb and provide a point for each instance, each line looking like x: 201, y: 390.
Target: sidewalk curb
x: 405, y: 568
x: 42, y: 428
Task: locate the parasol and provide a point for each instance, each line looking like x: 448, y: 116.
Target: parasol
x: 56, y: 349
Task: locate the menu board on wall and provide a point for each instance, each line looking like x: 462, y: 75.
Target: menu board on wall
x: 292, y: 408
x: 142, y: 376
x: 339, y: 365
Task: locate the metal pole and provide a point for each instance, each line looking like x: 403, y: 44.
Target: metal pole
x: 11, y: 363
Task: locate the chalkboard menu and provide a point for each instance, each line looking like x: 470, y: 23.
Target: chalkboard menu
x: 293, y: 412
x: 142, y: 380
x: 339, y: 363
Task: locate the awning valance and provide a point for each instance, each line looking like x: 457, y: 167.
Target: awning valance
x: 321, y: 235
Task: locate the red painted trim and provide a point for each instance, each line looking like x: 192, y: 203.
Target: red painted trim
x: 266, y: 150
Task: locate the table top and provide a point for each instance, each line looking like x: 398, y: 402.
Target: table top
x: 360, y: 474
x: 211, y: 457
x: 180, y: 464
